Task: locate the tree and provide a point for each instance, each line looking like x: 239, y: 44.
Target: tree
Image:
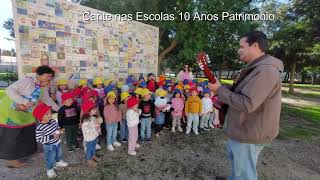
x: 189, y: 37
x: 295, y: 39
x: 12, y: 52
x: 9, y: 77
x: 8, y: 25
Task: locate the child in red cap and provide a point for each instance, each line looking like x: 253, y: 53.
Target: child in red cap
x: 193, y: 109
x: 68, y: 117
x: 48, y: 134
x: 90, y: 130
x: 90, y: 96
x: 133, y: 114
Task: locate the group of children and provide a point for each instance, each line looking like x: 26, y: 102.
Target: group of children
x: 134, y: 105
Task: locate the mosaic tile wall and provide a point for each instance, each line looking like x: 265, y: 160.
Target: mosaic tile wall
x: 54, y: 33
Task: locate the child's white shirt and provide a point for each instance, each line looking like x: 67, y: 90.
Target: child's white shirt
x: 160, y: 102
x: 90, y: 129
x: 133, y: 117
x: 206, y: 105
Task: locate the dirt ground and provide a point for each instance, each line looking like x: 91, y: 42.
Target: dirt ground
x: 177, y: 156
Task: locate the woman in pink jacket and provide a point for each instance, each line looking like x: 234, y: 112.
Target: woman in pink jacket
x: 177, y: 105
x: 185, y: 73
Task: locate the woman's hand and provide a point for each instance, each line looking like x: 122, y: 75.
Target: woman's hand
x: 29, y: 105
x: 21, y: 107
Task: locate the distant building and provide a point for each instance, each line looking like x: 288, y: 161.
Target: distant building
x: 8, y: 63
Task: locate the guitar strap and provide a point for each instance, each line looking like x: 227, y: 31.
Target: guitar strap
x: 245, y: 72
x: 243, y: 75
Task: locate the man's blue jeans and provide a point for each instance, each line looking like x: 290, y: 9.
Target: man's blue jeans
x: 52, y: 154
x: 111, y: 133
x: 145, y: 126
x: 243, y: 158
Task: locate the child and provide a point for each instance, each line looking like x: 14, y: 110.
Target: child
x: 62, y: 88
x: 161, y: 106
x: 125, y: 88
x: 77, y: 96
x: 123, y: 124
x: 68, y: 117
x: 90, y: 130
x: 151, y: 84
x: 200, y: 92
x: 138, y: 92
x: 214, y: 120
x: 185, y: 94
x: 98, y: 87
x: 148, y: 110
x: 133, y: 114
x: 167, y: 114
x: 83, y: 86
x: 177, y: 105
x: 90, y: 96
x: 48, y: 134
x: 141, y: 79
x: 206, y: 109
x: 160, y: 85
x: 120, y: 84
x: 186, y: 91
x: 112, y: 116
x: 193, y: 109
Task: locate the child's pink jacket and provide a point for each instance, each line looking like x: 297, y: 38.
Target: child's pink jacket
x: 177, y: 104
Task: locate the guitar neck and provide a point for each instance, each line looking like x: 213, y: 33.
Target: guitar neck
x: 209, y: 75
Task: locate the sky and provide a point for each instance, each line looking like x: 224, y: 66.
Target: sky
x: 6, y: 12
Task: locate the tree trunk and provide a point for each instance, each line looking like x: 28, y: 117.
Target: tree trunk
x: 165, y: 52
x: 313, y: 77
x: 286, y: 77
x: 233, y: 73
x: 292, y: 76
x: 220, y: 72
x: 228, y: 74
x: 303, y: 77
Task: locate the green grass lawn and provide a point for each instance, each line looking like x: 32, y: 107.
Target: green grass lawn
x: 315, y: 87
x: 299, y: 122
x: 312, y: 94
x: 311, y: 113
x: 1, y: 92
x: 227, y: 81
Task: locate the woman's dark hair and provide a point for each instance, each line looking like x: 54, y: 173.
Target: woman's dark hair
x: 44, y: 70
x: 258, y: 37
x: 184, y: 69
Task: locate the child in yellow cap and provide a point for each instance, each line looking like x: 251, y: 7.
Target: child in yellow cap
x: 62, y: 87
x: 138, y: 92
x: 98, y: 87
x: 112, y: 116
x: 148, y: 112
